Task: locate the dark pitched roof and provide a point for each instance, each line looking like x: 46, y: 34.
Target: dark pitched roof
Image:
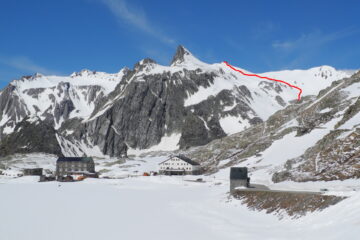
x: 186, y: 159
x: 182, y: 157
x: 238, y: 173
x: 74, y: 159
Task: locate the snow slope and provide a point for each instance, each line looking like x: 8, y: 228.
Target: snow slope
x: 276, y: 156
x: 312, y: 80
x: 155, y: 207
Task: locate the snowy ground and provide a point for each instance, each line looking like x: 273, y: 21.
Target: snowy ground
x: 160, y: 207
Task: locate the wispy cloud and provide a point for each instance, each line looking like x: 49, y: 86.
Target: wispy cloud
x: 23, y: 63
x: 137, y: 18
x: 313, y: 39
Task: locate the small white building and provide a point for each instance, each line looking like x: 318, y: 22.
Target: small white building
x: 179, y: 165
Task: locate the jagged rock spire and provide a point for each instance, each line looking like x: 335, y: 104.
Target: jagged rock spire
x: 180, y: 54
x: 141, y: 64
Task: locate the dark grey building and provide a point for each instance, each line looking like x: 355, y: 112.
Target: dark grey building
x: 75, y: 165
x: 239, y: 178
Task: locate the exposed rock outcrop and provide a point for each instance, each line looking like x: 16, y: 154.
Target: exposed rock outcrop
x: 29, y: 136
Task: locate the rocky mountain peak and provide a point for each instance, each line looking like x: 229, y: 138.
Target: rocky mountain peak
x: 124, y: 70
x: 31, y: 77
x: 147, y: 61
x: 144, y: 63
x: 37, y: 75
x: 356, y: 74
x: 84, y: 72
x: 181, y: 56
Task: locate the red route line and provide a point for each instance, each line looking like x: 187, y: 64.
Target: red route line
x: 272, y: 79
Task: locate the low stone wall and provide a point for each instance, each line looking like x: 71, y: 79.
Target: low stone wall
x: 290, y: 203
x: 238, y: 183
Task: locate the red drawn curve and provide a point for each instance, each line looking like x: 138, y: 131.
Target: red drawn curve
x: 272, y: 79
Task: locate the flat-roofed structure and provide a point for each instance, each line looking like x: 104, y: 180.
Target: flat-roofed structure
x: 239, y: 178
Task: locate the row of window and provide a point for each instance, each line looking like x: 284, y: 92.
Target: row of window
x: 75, y: 164
x: 165, y: 168
x: 182, y: 164
x: 72, y: 169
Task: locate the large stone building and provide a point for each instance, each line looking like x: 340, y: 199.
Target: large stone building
x: 179, y: 165
x: 239, y: 178
x: 75, y: 165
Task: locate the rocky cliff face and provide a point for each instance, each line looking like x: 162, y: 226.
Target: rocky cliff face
x: 336, y: 156
x: 30, y: 135
x: 188, y: 103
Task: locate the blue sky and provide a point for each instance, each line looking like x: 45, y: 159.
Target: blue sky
x: 60, y: 37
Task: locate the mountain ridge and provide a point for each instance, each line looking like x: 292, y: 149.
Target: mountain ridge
x: 189, y: 102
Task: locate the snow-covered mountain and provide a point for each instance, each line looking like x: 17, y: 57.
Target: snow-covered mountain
x: 153, y: 107
x: 317, y: 139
